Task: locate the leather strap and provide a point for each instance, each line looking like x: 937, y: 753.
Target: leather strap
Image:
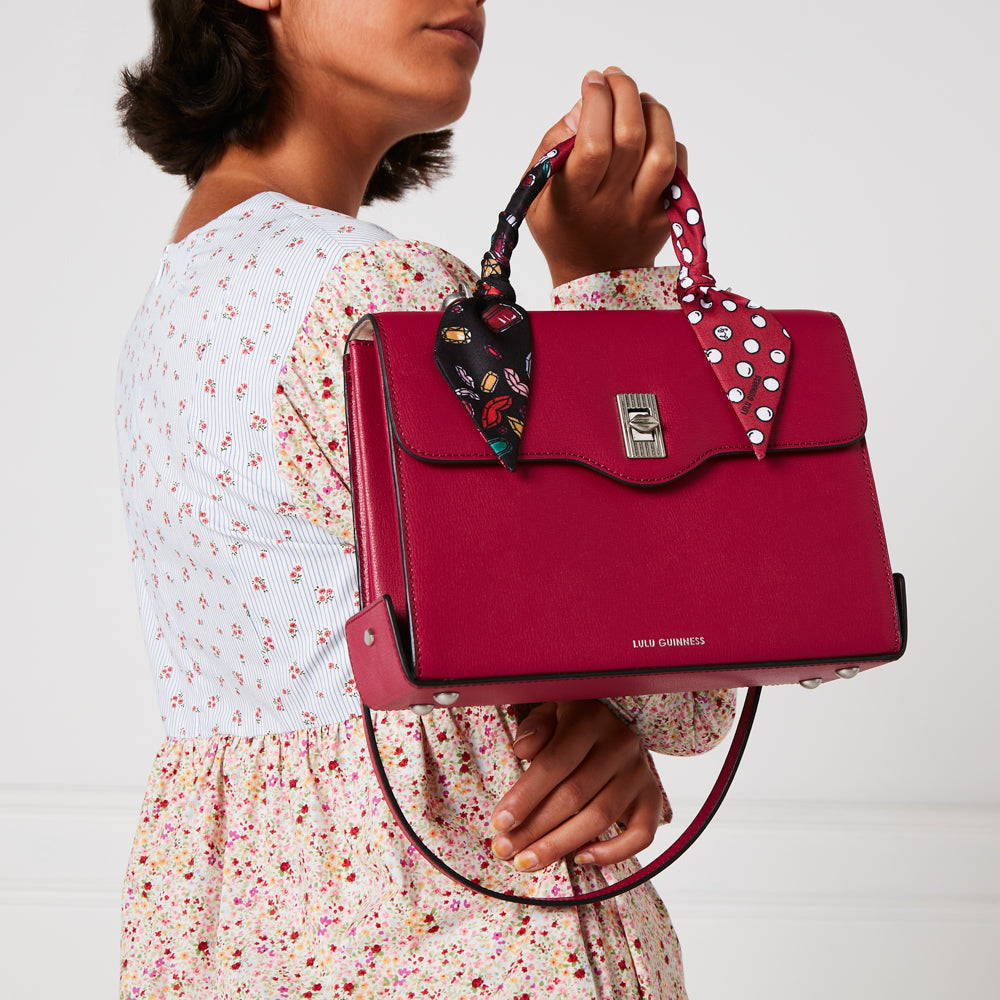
x: 694, y: 829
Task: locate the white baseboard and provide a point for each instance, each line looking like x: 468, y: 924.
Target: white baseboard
x: 907, y: 897
x: 67, y: 847
x: 842, y: 861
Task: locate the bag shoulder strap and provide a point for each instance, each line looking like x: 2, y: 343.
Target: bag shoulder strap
x: 693, y: 831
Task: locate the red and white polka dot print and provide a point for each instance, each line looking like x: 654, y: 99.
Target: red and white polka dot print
x: 748, y: 348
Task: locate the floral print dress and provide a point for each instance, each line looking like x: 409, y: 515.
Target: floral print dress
x: 266, y: 864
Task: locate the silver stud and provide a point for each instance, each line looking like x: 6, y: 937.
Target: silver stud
x: 462, y: 293
x: 369, y: 637
x: 421, y: 709
x: 848, y: 672
x: 811, y: 683
x: 446, y: 697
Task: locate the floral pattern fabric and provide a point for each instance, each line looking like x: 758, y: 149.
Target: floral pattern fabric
x: 242, y: 598
x: 308, y: 411
x: 271, y: 868
x: 267, y: 865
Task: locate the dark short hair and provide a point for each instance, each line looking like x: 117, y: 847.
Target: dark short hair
x: 211, y: 81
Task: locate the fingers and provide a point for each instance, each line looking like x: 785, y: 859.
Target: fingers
x: 640, y: 829
x: 588, y: 163
x: 587, y: 772
x: 555, y: 788
x: 660, y: 155
x: 628, y: 129
x: 562, y: 754
x: 537, y: 843
x: 624, y: 141
x: 535, y: 730
x: 611, y: 136
x: 604, y: 210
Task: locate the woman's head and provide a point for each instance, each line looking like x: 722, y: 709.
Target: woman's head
x: 235, y: 72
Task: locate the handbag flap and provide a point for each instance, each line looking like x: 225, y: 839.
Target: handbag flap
x: 584, y: 360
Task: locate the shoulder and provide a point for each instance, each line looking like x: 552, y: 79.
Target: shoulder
x: 325, y: 223
x: 269, y: 229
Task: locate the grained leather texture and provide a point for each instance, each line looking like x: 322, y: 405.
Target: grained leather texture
x: 579, y: 367
x: 667, y: 576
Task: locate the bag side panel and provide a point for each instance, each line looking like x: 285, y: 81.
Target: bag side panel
x: 376, y: 525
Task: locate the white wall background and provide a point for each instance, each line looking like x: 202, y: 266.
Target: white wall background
x: 845, y: 156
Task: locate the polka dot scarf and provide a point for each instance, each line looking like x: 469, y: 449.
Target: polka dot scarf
x: 484, y: 345
x: 748, y: 348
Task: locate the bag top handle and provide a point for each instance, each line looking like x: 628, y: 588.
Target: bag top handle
x: 745, y: 344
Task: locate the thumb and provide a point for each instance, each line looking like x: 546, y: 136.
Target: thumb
x: 560, y: 132
x: 535, y: 731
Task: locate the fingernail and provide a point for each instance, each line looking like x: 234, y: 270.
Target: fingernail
x: 594, y: 77
x: 614, y: 69
x: 503, y: 848
x: 530, y: 732
x: 526, y: 861
x: 572, y: 121
x: 502, y: 821
x: 584, y: 859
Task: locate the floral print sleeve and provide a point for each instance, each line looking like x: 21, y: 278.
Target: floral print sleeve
x: 682, y: 725
x: 637, y: 288
x: 311, y: 427
x: 308, y: 413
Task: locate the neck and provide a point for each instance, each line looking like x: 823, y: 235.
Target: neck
x: 327, y: 166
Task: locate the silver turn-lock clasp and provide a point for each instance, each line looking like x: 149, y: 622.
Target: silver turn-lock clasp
x: 642, y: 431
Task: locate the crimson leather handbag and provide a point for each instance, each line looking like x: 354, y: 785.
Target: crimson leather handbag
x: 634, y: 544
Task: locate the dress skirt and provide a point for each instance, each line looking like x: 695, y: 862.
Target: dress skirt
x: 270, y: 867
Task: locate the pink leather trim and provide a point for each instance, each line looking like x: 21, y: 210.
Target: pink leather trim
x: 370, y: 452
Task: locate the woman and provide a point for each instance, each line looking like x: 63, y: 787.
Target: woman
x: 265, y: 863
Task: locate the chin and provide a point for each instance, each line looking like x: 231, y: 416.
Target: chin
x: 446, y: 111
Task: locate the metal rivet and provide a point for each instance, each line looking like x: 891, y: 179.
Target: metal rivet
x: 369, y: 637
x: 462, y: 293
x: 446, y: 697
x: 812, y: 683
x: 421, y: 709
x: 848, y: 672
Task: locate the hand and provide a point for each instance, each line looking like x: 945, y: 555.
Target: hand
x: 588, y: 771
x: 604, y: 210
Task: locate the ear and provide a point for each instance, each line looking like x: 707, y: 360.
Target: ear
x: 261, y: 4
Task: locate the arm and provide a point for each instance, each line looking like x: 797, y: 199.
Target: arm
x: 308, y: 413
